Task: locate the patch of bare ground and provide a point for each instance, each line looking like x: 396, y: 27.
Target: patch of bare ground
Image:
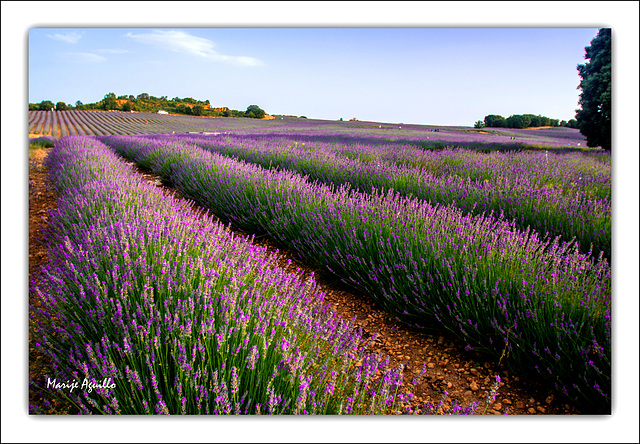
x: 466, y: 376
x: 42, y: 200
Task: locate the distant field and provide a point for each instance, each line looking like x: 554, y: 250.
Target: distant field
x: 98, y: 123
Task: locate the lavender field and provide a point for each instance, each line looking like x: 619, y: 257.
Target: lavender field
x: 196, y: 321
x: 96, y: 123
x: 567, y: 195
x: 504, y: 242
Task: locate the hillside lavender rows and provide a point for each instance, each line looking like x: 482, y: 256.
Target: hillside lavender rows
x: 504, y: 290
x: 181, y: 315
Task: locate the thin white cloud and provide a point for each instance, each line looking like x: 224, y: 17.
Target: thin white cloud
x: 180, y: 41
x: 69, y: 37
x: 83, y: 57
x: 112, y: 51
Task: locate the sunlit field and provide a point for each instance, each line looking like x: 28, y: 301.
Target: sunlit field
x: 501, y: 237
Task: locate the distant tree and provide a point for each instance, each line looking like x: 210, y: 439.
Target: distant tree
x: 131, y: 97
x: 256, y: 112
x: 479, y: 124
x: 518, y: 121
x: 46, y: 105
x: 184, y: 109
x: 109, y: 102
x: 34, y: 107
x: 495, y: 121
x: 533, y: 120
x: 573, y: 123
x: 126, y: 107
x: 554, y: 122
x: 61, y: 106
x: 197, y: 110
x: 227, y: 113
x: 78, y: 103
x: 594, y: 117
x: 143, y: 96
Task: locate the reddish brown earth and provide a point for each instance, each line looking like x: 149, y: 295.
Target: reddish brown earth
x: 42, y: 199
x: 464, y: 375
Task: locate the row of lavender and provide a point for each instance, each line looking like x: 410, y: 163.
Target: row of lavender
x: 565, y: 195
x: 155, y: 308
x: 542, y: 304
x: 372, y: 133
x: 589, y: 172
x: 74, y: 122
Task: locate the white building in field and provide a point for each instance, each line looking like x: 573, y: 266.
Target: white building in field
x: 161, y: 111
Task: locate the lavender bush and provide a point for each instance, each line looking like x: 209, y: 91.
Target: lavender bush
x: 495, y: 285
x: 160, y: 310
x: 44, y: 141
x: 548, y: 194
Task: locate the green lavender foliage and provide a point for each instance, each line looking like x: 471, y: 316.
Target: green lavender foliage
x: 496, y: 286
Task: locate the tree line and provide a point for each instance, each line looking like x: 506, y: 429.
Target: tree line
x: 150, y: 104
x: 523, y: 121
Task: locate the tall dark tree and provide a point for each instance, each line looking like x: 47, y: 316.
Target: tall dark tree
x: 518, y: 121
x: 594, y: 117
x: 197, y: 110
x: 46, y: 105
x: 109, y: 101
x: 255, y: 112
x: 493, y: 120
x: 534, y: 120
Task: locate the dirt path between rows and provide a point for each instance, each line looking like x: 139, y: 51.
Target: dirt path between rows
x: 464, y: 375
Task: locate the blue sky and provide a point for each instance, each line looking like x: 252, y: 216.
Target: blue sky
x: 446, y: 76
